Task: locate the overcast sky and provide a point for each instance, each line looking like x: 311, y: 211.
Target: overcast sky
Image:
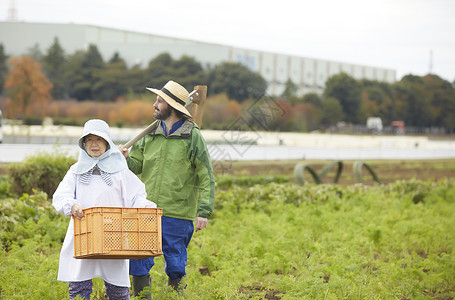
x: 409, y: 36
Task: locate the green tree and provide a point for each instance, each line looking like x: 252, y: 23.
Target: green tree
x: 314, y: 99
x: 81, y: 71
x: 290, y: 91
x: 187, y: 65
x: 411, y: 91
x: 35, y: 52
x: 347, y: 90
x: 162, y: 60
x: 116, y: 58
x: 442, y: 101
x: 137, y: 81
x: 54, y: 63
x: 237, y: 81
x: 76, y: 75
x: 332, y: 111
x: 379, y: 95
x: 94, y: 64
x: 93, y: 58
x: 188, y: 72
x: 448, y: 116
x: 160, y: 70
x: 3, y: 67
x: 110, y: 82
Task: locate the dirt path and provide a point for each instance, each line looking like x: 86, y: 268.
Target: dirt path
x: 387, y: 171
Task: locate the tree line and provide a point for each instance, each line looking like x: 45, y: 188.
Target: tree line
x: 418, y: 101
x: 38, y: 85
x: 84, y: 75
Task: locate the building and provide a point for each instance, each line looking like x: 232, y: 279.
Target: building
x: 308, y: 74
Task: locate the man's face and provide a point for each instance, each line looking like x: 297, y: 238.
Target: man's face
x: 162, y: 109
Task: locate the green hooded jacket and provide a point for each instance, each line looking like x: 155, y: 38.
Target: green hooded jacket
x: 176, y: 170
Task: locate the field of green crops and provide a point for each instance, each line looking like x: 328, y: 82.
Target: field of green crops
x: 272, y: 241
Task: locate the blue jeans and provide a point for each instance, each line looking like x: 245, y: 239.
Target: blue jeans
x: 176, y: 235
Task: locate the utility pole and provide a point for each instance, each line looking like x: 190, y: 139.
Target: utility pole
x: 12, y: 12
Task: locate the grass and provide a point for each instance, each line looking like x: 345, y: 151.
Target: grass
x: 284, y: 241
x: 270, y: 238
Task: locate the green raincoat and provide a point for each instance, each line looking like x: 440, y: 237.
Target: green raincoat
x: 176, y: 171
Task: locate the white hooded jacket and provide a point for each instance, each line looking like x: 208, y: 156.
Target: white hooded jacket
x: 126, y: 190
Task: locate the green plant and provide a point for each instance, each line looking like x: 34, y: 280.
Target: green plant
x: 276, y: 241
x: 226, y: 181
x: 33, y: 120
x: 30, y: 215
x: 68, y: 121
x: 29, y: 271
x: 42, y: 171
x: 4, y: 186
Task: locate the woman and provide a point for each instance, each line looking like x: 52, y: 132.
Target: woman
x: 100, y: 177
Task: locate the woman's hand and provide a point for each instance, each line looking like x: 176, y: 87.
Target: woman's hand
x: 76, y: 210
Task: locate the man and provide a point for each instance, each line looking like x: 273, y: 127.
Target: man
x: 178, y: 176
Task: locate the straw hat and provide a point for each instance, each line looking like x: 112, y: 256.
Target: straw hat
x: 175, y: 95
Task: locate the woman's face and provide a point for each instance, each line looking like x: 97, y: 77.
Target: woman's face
x: 95, y: 145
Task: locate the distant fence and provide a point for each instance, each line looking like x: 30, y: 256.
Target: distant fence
x: 389, y: 130
x: 21, y: 139
x: 44, y: 140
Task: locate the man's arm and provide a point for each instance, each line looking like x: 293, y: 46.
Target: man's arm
x: 205, y: 180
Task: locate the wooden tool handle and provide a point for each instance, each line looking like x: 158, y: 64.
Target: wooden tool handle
x: 143, y: 133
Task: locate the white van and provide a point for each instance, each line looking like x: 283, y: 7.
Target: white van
x: 374, y: 124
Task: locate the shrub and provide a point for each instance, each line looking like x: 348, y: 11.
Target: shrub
x: 226, y: 181
x: 43, y: 172
x: 33, y: 121
x: 68, y: 121
x: 4, y: 186
x: 272, y: 241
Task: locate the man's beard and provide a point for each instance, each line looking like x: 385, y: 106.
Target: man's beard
x: 163, y: 114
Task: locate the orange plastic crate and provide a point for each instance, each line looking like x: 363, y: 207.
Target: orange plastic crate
x: 118, y: 232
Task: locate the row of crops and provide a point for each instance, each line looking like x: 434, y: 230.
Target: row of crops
x: 271, y: 239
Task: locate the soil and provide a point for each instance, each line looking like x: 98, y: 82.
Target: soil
x: 3, y: 169
x: 386, y: 171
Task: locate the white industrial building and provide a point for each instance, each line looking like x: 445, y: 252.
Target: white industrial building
x: 309, y: 74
